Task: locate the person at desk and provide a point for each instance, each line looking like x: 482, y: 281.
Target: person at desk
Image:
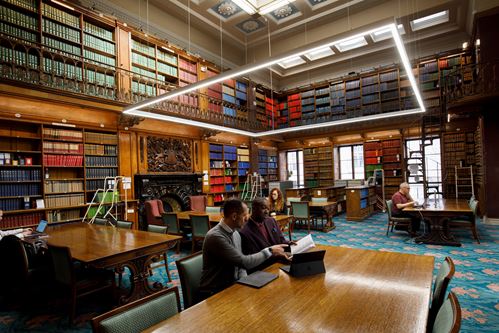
x: 401, y: 199
x: 223, y: 260
x: 18, y: 232
x: 261, y: 231
x: 276, y: 201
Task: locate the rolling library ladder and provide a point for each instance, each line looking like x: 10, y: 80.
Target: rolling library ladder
x: 464, y: 182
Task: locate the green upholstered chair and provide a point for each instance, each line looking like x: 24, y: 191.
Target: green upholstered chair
x: 393, y: 221
x: 189, y: 271
x: 211, y: 209
x: 159, y: 229
x: 301, y: 213
x: 101, y: 221
x: 319, y: 199
x: 200, y: 226
x: 448, y: 319
x: 319, y: 215
x: 139, y: 315
x: 124, y: 224
x: 467, y: 222
x: 444, y: 275
x: 170, y: 220
x: 77, y: 283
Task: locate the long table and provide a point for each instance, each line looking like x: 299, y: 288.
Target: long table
x: 361, y: 291
x: 438, y: 215
x: 108, y: 247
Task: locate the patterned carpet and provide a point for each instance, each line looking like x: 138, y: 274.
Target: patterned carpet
x: 475, y: 282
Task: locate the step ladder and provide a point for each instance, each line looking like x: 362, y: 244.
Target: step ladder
x: 464, y: 182
x: 252, y: 187
x: 110, y: 186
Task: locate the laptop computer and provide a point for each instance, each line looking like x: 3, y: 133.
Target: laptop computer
x: 257, y: 279
x: 306, y: 263
x: 39, y: 231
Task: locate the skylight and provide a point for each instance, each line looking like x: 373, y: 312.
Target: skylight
x: 291, y: 62
x: 430, y: 20
x: 261, y: 6
x: 380, y: 35
x: 350, y: 44
x: 319, y: 53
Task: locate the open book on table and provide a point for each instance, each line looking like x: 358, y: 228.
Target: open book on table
x: 302, y: 245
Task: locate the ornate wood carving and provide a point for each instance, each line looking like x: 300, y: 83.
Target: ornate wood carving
x: 169, y: 155
x: 126, y: 120
x: 208, y: 133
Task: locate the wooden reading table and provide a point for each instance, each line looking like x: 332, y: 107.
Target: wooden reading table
x: 438, y: 216
x: 361, y: 291
x: 108, y: 247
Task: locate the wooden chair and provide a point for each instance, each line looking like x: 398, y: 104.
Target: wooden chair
x: 171, y: 221
x: 200, y: 226
x: 319, y: 215
x: 124, y: 224
x: 139, y: 315
x: 448, y: 318
x: 189, y: 272
x: 301, y: 213
x: 159, y: 229
x: 153, y: 215
x: 444, y: 275
x: 78, y: 283
x: 467, y: 222
x: 393, y: 221
x: 198, y: 202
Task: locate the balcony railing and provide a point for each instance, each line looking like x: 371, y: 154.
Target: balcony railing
x: 471, y: 81
x: 39, y: 65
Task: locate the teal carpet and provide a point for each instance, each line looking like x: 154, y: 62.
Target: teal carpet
x: 475, y: 282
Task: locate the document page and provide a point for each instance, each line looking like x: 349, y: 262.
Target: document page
x: 303, y: 245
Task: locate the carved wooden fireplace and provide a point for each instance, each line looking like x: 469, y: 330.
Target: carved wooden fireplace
x: 172, y: 189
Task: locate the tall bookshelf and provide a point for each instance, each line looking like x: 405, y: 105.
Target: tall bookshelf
x: 322, y: 104
x: 373, y: 156
x: 229, y: 96
x: 260, y: 113
x: 311, y: 167
x: 223, y: 172
x: 282, y: 112
x: 187, y: 74
x: 325, y: 158
x: 243, y: 166
x: 307, y: 106
x: 263, y: 163
x: 352, y: 97
x: 294, y: 109
x: 337, y: 93
x: 214, y: 91
x: 392, y: 165
x: 272, y: 165
x: 370, y: 93
x: 429, y: 81
x: 242, y: 99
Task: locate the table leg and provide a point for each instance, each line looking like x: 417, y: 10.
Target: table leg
x: 330, y: 223
x: 439, y: 233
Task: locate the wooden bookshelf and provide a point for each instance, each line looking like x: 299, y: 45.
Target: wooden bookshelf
x: 373, y: 155
x: 392, y: 165
x: 361, y: 202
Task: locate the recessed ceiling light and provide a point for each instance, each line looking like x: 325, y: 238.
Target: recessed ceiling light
x: 291, y: 62
x: 273, y: 6
x: 386, y: 33
x: 319, y: 53
x: 430, y: 20
x: 350, y: 44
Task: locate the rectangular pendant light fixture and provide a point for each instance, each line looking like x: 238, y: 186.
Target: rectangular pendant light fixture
x: 137, y: 108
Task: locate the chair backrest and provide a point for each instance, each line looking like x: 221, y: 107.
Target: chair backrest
x: 198, y: 203
x: 101, y: 221
x: 189, y: 271
x: 319, y: 199
x: 444, y: 275
x: 140, y: 314
x: 62, y: 264
x: 448, y: 319
x: 161, y: 209
x: 152, y: 211
x: 200, y: 225
x: 159, y: 229
x: 14, y: 261
x: 124, y: 224
x: 171, y: 221
x: 473, y: 206
x: 389, y: 208
x: 300, y: 210
x: 211, y: 209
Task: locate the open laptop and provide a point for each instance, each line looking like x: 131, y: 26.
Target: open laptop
x: 306, y: 263
x: 257, y: 279
x: 39, y: 231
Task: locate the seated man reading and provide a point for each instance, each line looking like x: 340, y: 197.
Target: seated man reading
x: 223, y: 260
x: 401, y: 199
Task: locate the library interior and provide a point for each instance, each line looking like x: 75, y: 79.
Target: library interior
x: 156, y: 157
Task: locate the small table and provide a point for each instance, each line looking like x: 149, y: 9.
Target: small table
x: 108, y: 247
x: 361, y: 291
x: 438, y: 216
x: 328, y: 208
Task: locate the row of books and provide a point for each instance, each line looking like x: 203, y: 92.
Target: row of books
x: 20, y: 175
x: 111, y: 61
x: 61, y: 69
x: 60, y: 15
x: 9, y: 15
x: 99, y: 78
x: 17, y: 190
x: 143, y: 88
x: 27, y: 4
x: 22, y: 220
x: 99, y: 44
x: 143, y: 60
x: 93, y: 185
x: 62, y: 147
x: 168, y: 69
x: 64, y: 200
x: 64, y: 215
x: 58, y: 186
x: 97, y: 149
x: 21, y: 33
x: 216, y: 164
x: 18, y: 57
x: 101, y: 173
x: 167, y: 57
x: 187, y: 65
x: 97, y: 31
x: 62, y: 160
x: 187, y: 77
x: 102, y: 138
x: 62, y: 134
x: 62, y: 31
x: 143, y: 48
x: 58, y: 45
x: 143, y: 72
x: 12, y: 204
x: 101, y: 161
